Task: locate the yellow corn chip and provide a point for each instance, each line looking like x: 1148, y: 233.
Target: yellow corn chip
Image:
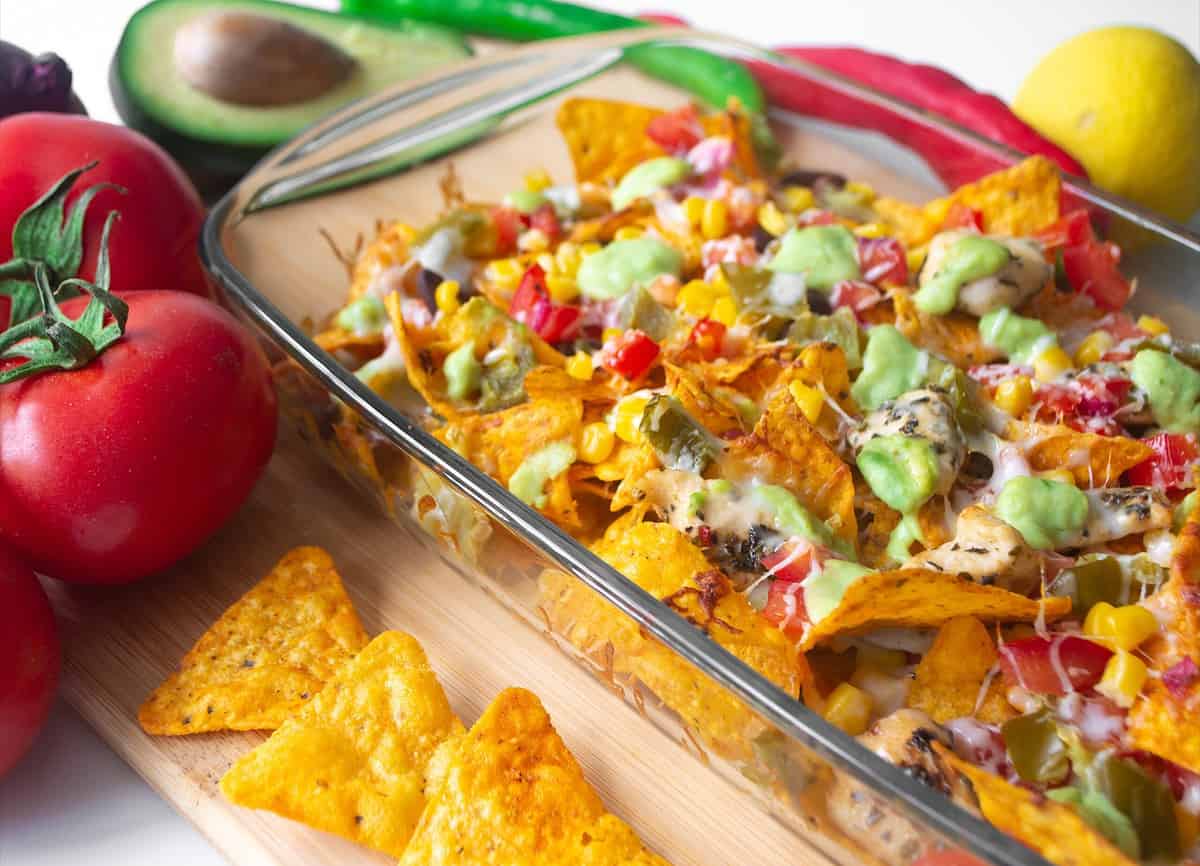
x: 510, y: 793
x: 735, y: 125
x: 606, y: 138
x: 714, y: 414
x: 1095, y: 460
x: 954, y: 336
x: 919, y: 598
x: 543, y: 383
x: 390, y: 248
x: 661, y: 560
x: 909, y: 222
x: 876, y: 521
x: 1052, y: 829
x: 353, y: 760
x: 265, y: 657
x: 952, y: 676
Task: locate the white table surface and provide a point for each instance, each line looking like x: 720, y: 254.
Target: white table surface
x: 72, y: 801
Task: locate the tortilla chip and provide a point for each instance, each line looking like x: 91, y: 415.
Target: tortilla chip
x: 1054, y: 830
x: 273, y: 649
x: 390, y: 248
x: 735, y: 125
x: 606, y: 138
x: 353, y: 761
x: 952, y: 675
x: 876, y: 520
x: 920, y: 598
x: 1094, y: 460
x: 953, y: 336
x: 360, y: 345
x: 661, y: 560
x: 714, y: 413
x: 542, y: 383
x: 510, y: 793
x: 908, y: 221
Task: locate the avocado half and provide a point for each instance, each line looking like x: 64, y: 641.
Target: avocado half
x: 216, y: 141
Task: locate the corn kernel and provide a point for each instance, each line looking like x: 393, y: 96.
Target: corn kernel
x: 808, y: 398
x: 533, y: 241
x: 864, y: 191
x: 562, y: 289
x: 798, y: 198
x: 715, y: 221
x: 589, y: 248
x: 771, y: 218
x: 1124, y: 676
x: 579, y: 366
x: 724, y: 310
x: 609, y: 335
x: 848, y: 708
x: 1051, y: 364
x: 596, y: 442
x: 446, y: 296
x: 567, y: 258
x: 693, y: 209
x: 868, y: 657
x: 696, y: 298
x: 1014, y: 396
x: 1152, y: 325
x: 627, y: 233
x: 1093, y: 347
x: 627, y: 416
x: 537, y: 180
x: 506, y: 273
x: 915, y: 258
x: 1062, y: 476
x: 1125, y: 627
x: 872, y: 230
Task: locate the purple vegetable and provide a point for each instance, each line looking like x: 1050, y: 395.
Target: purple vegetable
x: 29, y: 83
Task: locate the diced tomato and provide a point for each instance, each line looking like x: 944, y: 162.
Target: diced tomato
x: 817, y: 218
x: 630, y: 355
x: 708, y: 336
x: 1053, y: 665
x: 961, y: 216
x: 545, y: 220
x: 794, y: 560
x: 855, y: 294
x: 1121, y: 327
x: 1172, y: 464
x: 508, y: 225
x: 531, y: 304
x: 1074, y: 228
x: 785, y: 607
x: 676, y: 131
x: 1091, y: 269
x: 951, y: 857
x: 1085, y: 402
x: 882, y: 260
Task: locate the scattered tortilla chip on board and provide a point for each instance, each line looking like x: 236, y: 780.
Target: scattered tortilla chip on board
x: 952, y: 676
x: 510, y: 793
x: 275, y: 648
x: 921, y: 598
x: 353, y: 760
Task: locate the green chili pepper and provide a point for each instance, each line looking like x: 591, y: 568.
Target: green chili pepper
x: 1089, y: 583
x: 840, y: 328
x: 678, y: 439
x: 1144, y: 799
x: 639, y: 311
x: 1034, y: 747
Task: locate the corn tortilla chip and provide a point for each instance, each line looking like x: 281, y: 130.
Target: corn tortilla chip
x: 353, y: 761
x: 265, y: 657
x: 390, y: 248
x: 920, y: 598
x: 954, y: 336
x: 714, y: 413
x: 952, y: 676
x: 606, y: 138
x: 661, y: 560
x: 1094, y: 460
x: 510, y: 793
x: 1052, y: 829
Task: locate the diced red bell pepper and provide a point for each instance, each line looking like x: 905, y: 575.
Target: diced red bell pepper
x: 1074, y: 228
x: 708, y: 336
x: 1091, y: 269
x: 508, y: 225
x: 1053, y: 665
x: 545, y: 220
x: 531, y: 304
x: 1171, y: 466
x: 785, y: 607
x: 630, y: 355
x: 676, y: 131
x: 962, y: 216
x: 882, y: 261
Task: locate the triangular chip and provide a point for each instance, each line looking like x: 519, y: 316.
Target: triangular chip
x: 353, y: 761
x: 511, y: 794
x: 953, y: 336
x: 606, y: 138
x: 1094, y: 460
x: 957, y: 676
x: 270, y: 652
x: 921, y: 598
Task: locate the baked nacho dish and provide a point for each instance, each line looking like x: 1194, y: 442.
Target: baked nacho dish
x: 915, y: 464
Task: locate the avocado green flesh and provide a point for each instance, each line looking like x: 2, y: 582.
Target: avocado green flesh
x: 149, y: 91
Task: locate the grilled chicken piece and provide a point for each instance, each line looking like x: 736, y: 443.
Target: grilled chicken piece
x: 987, y: 550
x: 925, y: 413
x: 905, y: 739
x: 1026, y: 272
x: 1115, y: 512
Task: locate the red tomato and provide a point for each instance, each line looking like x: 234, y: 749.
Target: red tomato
x: 676, y: 131
x: 882, y: 260
x: 631, y: 355
x: 793, y: 560
x: 508, y: 225
x: 1074, y: 228
x: 120, y: 468
x: 1170, y: 468
x: 856, y: 295
x: 1046, y: 665
x: 1091, y: 269
x: 707, y: 336
x: 961, y: 216
x: 29, y: 659
x: 153, y: 244
x: 531, y: 304
x: 785, y: 607
x: 545, y: 220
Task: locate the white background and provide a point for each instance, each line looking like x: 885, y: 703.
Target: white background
x: 71, y: 801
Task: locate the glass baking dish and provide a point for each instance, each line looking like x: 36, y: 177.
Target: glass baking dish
x: 492, y: 119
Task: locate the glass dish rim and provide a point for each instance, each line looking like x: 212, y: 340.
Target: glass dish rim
x: 785, y: 712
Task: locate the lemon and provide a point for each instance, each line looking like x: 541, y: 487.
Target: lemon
x: 1125, y: 102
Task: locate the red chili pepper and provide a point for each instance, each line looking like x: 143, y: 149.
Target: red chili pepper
x: 708, y: 336
x: 1170, y: 468
x: 676, y: 131
x: 1053, y: 665
x: 961, y: 216
x: 956, y: 162
x: 531, y: 304
x: 882, y: 261
x: 630, y: 355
